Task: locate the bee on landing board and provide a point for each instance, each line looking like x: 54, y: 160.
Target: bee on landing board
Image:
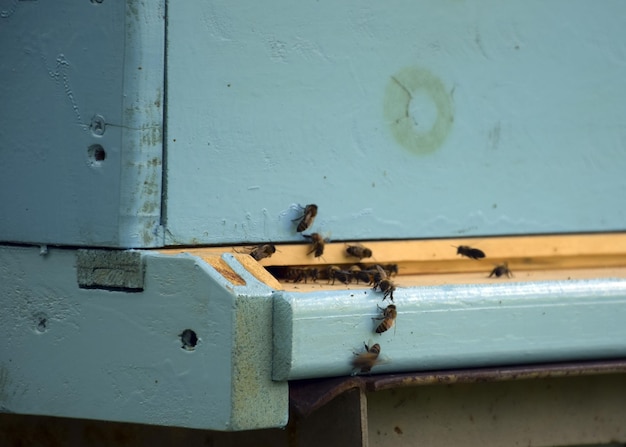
x: 365, y: 361
x: 335, y: 273
x: 359, y: 274
x: 307, y: 218
x: 372, y: 270
x: 298, y: 274
x: 388, y: 318
x: 317, y: 244
x: 263, y: 251
x: 384, y: 284
x: 501, y: 270
x: 391, y: 269
x: 472, y: 253
x: 359, y: 251
x: 259, y: 252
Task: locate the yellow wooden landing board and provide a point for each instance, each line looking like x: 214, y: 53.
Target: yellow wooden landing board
x: 435, y: 261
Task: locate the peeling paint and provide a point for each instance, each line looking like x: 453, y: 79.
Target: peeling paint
x: 60, y: 74
x: 4, y: 385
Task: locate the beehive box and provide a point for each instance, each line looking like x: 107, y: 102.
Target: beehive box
x: 189, y: 132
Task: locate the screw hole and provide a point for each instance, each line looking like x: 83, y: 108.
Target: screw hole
x: 189, y: 339
x: 41, y: 322
x: 96, y: 154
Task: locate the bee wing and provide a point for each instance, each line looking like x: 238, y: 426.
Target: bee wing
x: 363, y: 359
x: 246, y: 249
x: 381, y: 272
x: 383, y: 360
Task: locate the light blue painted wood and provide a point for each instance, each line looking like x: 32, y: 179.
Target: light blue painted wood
x: 421, y: 119
x: 460, y: 326
x: 77, y: 76
x: 277, y: 104
x: 117, y: 356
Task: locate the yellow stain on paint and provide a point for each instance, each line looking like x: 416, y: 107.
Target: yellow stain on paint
x: 409, y: 92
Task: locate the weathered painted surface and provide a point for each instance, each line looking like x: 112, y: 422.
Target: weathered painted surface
x: 572, y: 411
x: 405, y: 120
x: 412, y: 120
x: 82, y: 119
x: 114, y: 355
x: 441, y: 327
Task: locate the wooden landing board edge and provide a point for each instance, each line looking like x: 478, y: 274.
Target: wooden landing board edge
x: 214, y: 259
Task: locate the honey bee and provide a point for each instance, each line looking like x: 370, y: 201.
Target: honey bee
x: 472, y: 253
x: 335, y: 273
x: 263, y: 251
x: 302, y: 274
x: 317, y: 242
x: 365, y: 361
x: 373, y: 274
x: 296, y: 274
x: 390, y: 269
x: 388, y: 318
x: 500, y: 270
x: 359, y: 274
x: 307, y: 218
x: 359, y: 251
x: 384, y: 284
x: 312, y: 273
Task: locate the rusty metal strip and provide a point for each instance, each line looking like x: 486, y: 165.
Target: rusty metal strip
x: 308, y: 395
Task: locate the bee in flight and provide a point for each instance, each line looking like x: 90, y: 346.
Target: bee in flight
x: 501, y: 270
x: 365, y: 361
x: 263, y: 251
x: 317, y: 244
x: 307, y: 218
x: 388, y: 318
x: 359, y: 251
x: 384, y: 284
x: 472, y: 253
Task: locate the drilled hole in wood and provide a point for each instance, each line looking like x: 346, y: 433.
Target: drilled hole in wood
x: 189, y: 339
x: 41, y: 322
x: 96, y: 154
